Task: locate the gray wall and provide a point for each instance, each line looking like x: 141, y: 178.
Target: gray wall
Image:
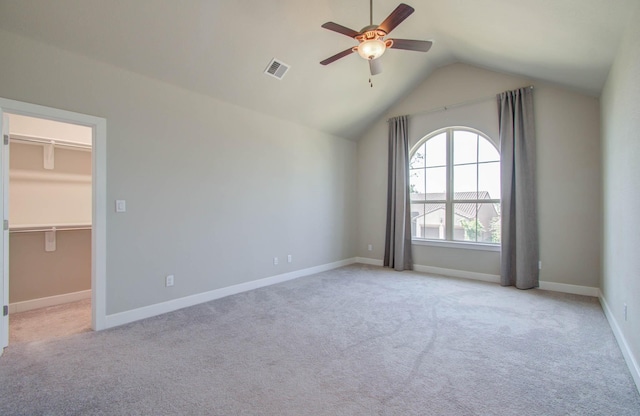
x: 568, y: 170
x: 213, y: 191
x: 621, y: 176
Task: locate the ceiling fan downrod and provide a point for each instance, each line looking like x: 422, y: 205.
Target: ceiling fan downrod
x: 370, y: 12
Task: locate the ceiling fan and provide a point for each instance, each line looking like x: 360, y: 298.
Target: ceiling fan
x: 371, y: 42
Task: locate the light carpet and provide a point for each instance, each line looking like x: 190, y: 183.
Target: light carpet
x: 359, y: 340
x: 50, y: 322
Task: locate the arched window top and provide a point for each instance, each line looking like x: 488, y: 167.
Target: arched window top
x: 455, y: 187
x: 462, y: 131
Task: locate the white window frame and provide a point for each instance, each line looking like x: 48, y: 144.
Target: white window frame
x: 449, y: 202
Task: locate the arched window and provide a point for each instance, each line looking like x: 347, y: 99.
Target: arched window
x: 455, y: 187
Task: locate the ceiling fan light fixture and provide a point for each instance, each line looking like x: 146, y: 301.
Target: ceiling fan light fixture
x: 371, y: 38
x: 371, y: 49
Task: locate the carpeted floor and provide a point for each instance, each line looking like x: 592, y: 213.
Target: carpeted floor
x: 359, y: 340
x: 50, y: 322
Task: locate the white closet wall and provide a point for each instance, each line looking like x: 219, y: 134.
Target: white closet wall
x: 49, y: 197
x: 40, y: 197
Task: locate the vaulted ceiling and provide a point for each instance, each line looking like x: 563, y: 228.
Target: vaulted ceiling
x: 221, y: 48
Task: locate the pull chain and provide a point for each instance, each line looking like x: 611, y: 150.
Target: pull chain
x: 370, y: 83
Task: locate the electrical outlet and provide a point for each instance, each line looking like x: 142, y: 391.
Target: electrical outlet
x: 275, y: 261
x: 540, y: 265
x: 370, y: 247
x: 289, y: 258
x: 625, y: 311
x: 168, y: 281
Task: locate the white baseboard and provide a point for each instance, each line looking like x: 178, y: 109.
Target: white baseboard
x: 28, y: 305
x: 464, y: 274
x: 574, y: 289
x: 126, y: 317
x: 439, y: 271
x: 372, y: 262
x: 492, y: 278
x: 632, y: 362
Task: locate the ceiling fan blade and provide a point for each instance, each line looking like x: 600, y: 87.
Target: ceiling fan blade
x: 337, y: 56
x: 341, y: 29
x: 375, y: 66
x: 411, y: 45
x: 396, y: 17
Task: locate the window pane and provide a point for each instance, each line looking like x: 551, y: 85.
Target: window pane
x: 436, y: 183
x: 489, y: 217
x: 436, y: 150
x: 465, y: 147
x: 417, y: 220
x: 489, y: 180
x: 416, y: 184
x: 465, y: 226
x: 486, y: 151
x: 417, y: 160
x: 428, y: 221
x: 477, y: 223
x: 465, y: 182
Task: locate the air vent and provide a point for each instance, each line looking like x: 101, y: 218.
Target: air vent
x: 276, y: 69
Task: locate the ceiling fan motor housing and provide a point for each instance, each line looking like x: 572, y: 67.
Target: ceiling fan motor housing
x: 372, y: 45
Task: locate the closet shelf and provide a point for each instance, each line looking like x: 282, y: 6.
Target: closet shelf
x: 44, y: 141
x: 48, y: 227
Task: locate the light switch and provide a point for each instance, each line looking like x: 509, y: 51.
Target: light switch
x: 121, y: 205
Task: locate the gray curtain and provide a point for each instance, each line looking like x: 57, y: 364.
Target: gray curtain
x: 519, y: 259
x: 397, y: 248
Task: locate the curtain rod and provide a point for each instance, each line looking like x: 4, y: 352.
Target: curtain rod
x: 460, y: 104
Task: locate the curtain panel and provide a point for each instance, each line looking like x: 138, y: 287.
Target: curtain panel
x: 520, y: 252
x: 397, y: 248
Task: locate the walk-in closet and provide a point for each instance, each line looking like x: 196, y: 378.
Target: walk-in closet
x: 50, y: 215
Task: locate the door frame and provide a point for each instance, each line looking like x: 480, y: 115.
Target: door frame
x: 99, y: 198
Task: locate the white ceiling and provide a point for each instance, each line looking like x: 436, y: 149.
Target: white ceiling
x: 221, y: 48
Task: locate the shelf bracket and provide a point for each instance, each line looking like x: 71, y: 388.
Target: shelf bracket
x: 48, y: 152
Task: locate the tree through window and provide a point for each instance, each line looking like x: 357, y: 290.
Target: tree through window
x: 455, y: 187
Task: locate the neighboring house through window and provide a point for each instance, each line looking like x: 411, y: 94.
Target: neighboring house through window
x: 455, y: 187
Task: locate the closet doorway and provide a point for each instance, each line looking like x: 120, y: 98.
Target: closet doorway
x: 50, y: 196
x: 54, y: 209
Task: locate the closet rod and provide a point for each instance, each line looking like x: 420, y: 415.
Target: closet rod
x: 40, y: 140
x: 46, y: 229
